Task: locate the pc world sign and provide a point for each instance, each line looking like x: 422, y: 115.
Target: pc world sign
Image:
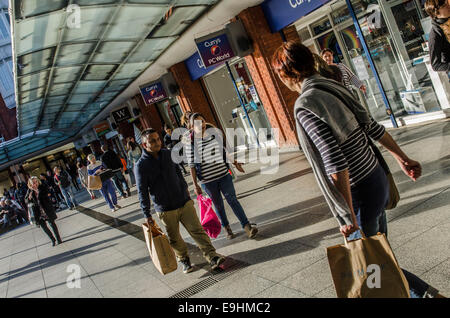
x: 214, y: 48
x: 153, y: 92
x: 281, y: 13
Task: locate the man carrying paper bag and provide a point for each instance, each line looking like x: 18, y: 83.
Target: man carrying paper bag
x: 158, y: 177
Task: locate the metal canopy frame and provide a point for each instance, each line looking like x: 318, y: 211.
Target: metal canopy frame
x: 45, y: 41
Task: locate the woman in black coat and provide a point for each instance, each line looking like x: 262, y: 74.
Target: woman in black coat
x: 439, y: 41
x: 39, y: 196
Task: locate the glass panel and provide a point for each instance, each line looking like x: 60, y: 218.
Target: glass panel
x: 304, y: 34
x: 403, y: 68
x: 321, y: 26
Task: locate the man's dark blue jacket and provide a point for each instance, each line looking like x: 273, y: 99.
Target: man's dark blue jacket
x: 160, y: 179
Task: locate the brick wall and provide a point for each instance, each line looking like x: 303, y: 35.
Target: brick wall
x: 150, y: 117
x: 277, y: 99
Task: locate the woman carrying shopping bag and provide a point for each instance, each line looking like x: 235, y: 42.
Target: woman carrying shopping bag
x: 83, y: 175
x: 95, y: 168
x: 335, y: 139
x: 211, y: 168
x: 38, y: 199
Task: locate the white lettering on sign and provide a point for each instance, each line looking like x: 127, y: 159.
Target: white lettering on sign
x: 121, y: 113
x: 216, y: 59
x: 213, y: 42
x: 296, y: 3
x: 148, y: 89
x: 200, y: 63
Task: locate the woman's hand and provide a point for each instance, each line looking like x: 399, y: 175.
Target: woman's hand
x: 411, y: 168
x: 198, y: 190
x: 238, y: 167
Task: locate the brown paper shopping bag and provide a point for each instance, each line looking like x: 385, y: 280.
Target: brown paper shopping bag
x: 367, y: 268
x: 94, y: 183
x: 160, y: 250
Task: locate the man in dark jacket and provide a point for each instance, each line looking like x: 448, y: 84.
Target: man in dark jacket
x: 439, y: 10
x: 112, y: 161
x: 63, y: 180
x: 158, y: 177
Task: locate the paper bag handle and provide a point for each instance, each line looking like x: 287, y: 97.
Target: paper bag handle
x: 362, y: 235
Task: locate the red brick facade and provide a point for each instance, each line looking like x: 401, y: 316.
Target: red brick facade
x: 277, y: 99
x: 150, y: 117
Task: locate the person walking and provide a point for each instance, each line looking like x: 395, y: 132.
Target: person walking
x: 169, y: 143
x: 44, y: 212
x: 159, y: 178
x: 334, y: 131
x: 439, y: 39
x: 112, y: 161
x: 62, y: 179
x: 349, y: 79
x: 108, y: 191
x: 207, y: 159
x: 133, y: 155
x: 54, y: 187
x: 83, y: 175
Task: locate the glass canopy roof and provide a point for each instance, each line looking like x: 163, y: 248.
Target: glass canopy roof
x: 65, y: 70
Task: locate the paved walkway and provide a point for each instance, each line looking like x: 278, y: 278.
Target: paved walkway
x: 287, y: 259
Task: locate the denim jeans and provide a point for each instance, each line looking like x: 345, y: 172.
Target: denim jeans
x: 369, y: 197
x: 69, y: 196
x: 109, y: 193
x: 225, y: 185
x: 119, y: 181
x: 6, y: 221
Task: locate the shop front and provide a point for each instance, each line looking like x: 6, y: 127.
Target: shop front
x: 235, y: 100
x: 384, y: 42
x: 169, y: 112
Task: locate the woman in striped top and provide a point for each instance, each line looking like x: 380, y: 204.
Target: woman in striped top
x: 349, y: 79
x: 207, y: 159
x: 335, y: 145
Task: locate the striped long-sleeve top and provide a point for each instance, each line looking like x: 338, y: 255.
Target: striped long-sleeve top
x: 210, y: 158
x: 348, y: 77
x: 353, y: 154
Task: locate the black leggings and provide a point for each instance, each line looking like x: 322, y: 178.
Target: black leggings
x: 44, y: 227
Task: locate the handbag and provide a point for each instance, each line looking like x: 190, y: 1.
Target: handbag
x: 161, y: 253
x: 94, y: 183
x: 106, y: 175
x: 208, y: 218
x: 367, y: 268
x: 394, y: 195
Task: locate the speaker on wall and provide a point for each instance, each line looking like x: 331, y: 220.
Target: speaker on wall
x: 170, y: 85
x: 239, y: 39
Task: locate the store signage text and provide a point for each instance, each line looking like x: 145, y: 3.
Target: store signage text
x: 153, y: 93
x: 280, y: 14
x: 121, y: 115
x: 215, y: 50
x: 196, y: 68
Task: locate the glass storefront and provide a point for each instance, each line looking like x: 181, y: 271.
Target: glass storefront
x: 170, y: 112
x: 395, y: 33
x: 228, y: 107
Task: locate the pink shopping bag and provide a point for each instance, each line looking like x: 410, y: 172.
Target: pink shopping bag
x: 208, y: 217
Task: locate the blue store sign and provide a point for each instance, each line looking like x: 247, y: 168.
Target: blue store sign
x: 281, y: 13
x: 153, y: 93
x: 196, y: 68
x: 214, y: 49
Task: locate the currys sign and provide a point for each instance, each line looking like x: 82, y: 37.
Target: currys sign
x: 152, y: 93
x: 214, y: 49
x: 196, y: 68
x: 281, y: 13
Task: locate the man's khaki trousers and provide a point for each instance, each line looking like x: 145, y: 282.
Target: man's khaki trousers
x: 188, y: 217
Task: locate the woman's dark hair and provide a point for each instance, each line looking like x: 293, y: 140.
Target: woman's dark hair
x: 432, y: 7
x: 193, y: 117
x: 328, y: 71
x: 131, y: 145
x: 294, y: 60
x: 325, y: 51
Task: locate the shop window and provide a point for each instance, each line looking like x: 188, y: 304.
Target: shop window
x: 304, y: 34
x: 321, y: 26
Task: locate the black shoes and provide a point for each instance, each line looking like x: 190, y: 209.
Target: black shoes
x: 187, y: 267
x: 129, y: 193
x: 216, y: 261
